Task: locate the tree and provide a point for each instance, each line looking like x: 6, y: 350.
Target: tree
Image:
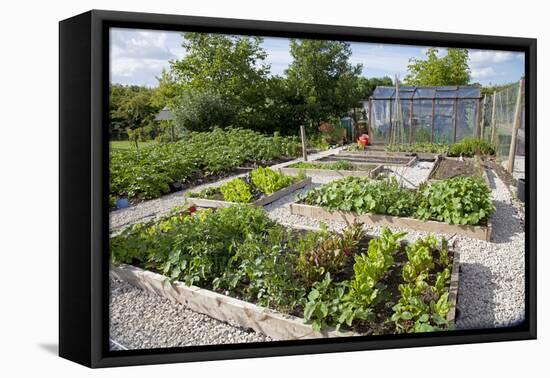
x: 131, y: 107
x: 368, y: 85
x: 166, y: 92
x: 231, y: 67
x: 323, y: 77
x: 451, y: 69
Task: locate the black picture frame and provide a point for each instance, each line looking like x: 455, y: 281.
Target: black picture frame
x: 83, y: 205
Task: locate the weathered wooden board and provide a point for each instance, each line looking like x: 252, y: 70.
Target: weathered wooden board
x: 316, y: 212
x: 453, y: 287
x: 201, y: 202
x: 371, y: 159
x: 333, y: 173
x: 221, y: 307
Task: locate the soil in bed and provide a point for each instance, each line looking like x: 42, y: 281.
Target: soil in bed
x: 449, y: 168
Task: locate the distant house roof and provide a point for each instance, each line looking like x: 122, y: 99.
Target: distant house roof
x: 428, y: 93
x: 164, y: 115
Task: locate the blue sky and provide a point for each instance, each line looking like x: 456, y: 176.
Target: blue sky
x: 138, y: 57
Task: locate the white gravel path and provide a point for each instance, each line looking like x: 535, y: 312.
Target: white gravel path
x: 141, y: 320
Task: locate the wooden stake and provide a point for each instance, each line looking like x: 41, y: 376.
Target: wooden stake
x: 494, y: 119
x: 433, y: 119
x: 370, y: 128
x: 517, y: 124
x: 304, y: 144
x: 455, y: 119
x: 478, y: 114
x: 411, y: 123
x: 482, y: 125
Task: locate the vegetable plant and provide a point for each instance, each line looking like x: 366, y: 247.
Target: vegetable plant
x: 459, y: 200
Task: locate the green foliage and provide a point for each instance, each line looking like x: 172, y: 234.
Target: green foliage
x: 369, y: 269
x: 194, y: 249
x: 323, y: 78
x: 148, y: 172
x: 342, y: 165
x: 321, y: 253
x: 325, y: 304
x: 451, y: 69
x: 202, y: 110
x: 421, y: 307
x: 263, y: 272
x: 236, y: 191
x: 459, y: 200
x: 225, y: 74
x: 363, y: 195
x: 269, y: 181
x: 333, y: 304
x: 131, y: 107
x: 434, y: 148
x: 469, y: 147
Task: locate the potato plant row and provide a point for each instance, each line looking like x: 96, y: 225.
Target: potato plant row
x: 148, y: 172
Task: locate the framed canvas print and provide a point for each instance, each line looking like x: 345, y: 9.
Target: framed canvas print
x: 234, y: 188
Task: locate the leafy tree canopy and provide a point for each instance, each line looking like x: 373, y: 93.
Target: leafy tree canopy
x: 323, y: 77
x: 451, y: 69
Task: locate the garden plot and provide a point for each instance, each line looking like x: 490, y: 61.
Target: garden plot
x: 304, y: 270
x: 491, y: 292
x: 155, y: 208
x: 461, y: 205
x: 371, y: 159
x: 342, y: 168
x: 446, y: 168
x: 261, y: 187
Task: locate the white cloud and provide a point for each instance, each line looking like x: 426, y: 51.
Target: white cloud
x: 483, y: 57
x: 482, y: 73
x: 138, y: 56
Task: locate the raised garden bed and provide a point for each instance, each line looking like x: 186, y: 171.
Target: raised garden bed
x: 251, y: 259
x: 371, y: 159
x: 234, y: 311
x: 327, y: 169
x: 316, y: 212
x: 460, y: 205
x: 445, y: 168
x: 250, y: 190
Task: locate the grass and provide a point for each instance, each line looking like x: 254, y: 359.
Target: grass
x: 127, y: 145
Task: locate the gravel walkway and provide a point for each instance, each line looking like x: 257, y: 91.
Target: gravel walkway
x: 140, y: 320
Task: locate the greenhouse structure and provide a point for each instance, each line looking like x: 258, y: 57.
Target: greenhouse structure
x: 410, y: 114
